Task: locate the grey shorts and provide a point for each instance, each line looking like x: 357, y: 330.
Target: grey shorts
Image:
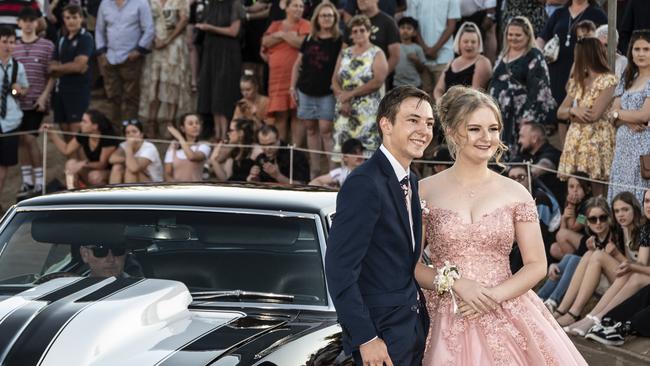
x: 316, y: 107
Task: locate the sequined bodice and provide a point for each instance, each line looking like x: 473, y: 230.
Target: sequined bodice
x: 480, y: 249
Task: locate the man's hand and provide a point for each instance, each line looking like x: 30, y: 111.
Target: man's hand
x: 133, y: 55
x: 375, y: 353
x: 271, y: 169
x: 254, y: 174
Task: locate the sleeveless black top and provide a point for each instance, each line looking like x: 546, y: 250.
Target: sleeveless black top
x: 463, y: 77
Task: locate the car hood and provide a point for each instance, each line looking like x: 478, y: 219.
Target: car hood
x: 129, y: 321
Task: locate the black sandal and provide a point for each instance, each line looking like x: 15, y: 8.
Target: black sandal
x: 575, y: 317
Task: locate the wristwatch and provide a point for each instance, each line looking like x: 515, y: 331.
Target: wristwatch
x: 14, y: 92
x: 614, y: 115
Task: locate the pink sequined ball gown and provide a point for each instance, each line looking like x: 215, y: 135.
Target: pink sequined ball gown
x: 521, y: 331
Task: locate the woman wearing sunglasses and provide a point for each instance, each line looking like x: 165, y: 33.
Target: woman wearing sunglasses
x: 560, y: 275
x: 605, y: 260
x: 135, y: 160
x: 618, y: 268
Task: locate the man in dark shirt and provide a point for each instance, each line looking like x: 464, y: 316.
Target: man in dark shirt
x: 71, y: 54
x: 385, y: 33
x: 534, y: 147
x: 274, y: 164
x: 390, y: 7
x: 636, y: 16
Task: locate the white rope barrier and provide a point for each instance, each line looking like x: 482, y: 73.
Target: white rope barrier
x: 293, y: 148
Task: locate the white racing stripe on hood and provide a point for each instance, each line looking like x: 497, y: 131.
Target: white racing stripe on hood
x: 10, y: 304
x: 139, y: 326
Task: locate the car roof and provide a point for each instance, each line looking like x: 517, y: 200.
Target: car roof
x: 291, y: 198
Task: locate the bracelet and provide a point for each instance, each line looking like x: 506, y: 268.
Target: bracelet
x: 444, y: 281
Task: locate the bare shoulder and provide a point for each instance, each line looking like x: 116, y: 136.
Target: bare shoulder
x: 484, y: 63
x: 511, y: 190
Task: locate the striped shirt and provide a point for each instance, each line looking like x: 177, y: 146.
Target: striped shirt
x: 36, y: 57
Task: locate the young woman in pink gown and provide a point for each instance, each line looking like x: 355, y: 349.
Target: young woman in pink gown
x: 471, y: 217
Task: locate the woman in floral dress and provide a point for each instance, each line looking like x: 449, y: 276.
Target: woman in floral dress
x: 589, y: 143
x: 520, y: 82
x: 357, y: 84
x: 166, y: 79
x: 630, y: 113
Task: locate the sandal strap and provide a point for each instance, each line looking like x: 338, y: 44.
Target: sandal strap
x: 575, y: 317
x: 560, y: 312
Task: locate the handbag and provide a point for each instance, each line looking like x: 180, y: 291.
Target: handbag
x: 645, y: 166
x: 552, y: 49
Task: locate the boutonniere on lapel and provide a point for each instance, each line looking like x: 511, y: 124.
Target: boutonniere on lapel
x: 425, y: 209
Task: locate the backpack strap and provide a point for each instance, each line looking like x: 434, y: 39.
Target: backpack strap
x: 14, y: 71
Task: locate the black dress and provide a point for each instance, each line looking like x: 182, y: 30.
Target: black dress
x: 220, y: 61
x: 463, y: 77
x: 559, y: 24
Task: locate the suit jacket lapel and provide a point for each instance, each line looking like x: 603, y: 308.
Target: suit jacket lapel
x: 416, y: 211
x: 396, y: 193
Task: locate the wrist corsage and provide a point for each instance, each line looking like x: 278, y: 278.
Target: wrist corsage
x: 445, y: 279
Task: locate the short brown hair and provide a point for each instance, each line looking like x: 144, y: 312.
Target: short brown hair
x: 360, y: 20
x: 73, y: 9
x: 390, y: 104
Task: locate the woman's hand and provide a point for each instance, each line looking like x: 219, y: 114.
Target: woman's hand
x: 623, y: 269
x: 159, y: 43
x: 479, y: 298
x: 554, y: 272
x: 569, y: 212
x: 175, y: 133
x: 345, y: 96
x: 345, y: 109
x: 611, y: 249
x: 591, y: 243
x: 580, y: 113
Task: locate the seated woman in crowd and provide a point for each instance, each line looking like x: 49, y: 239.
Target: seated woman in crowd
x: 92, y: 167
x: 560, y: 274
x: 357, y: 82
x: 135, y: 160
x: 234, y: 163
x: 589, y: 143
x: 253, y: 104
x: 570, y: 234
x: 631, y: 275
x: 352, y: 150
x: 520, y: 83
x: 470, y: 68
x: 630, y: 113
x: 185, y: 157
x: 623, y: 247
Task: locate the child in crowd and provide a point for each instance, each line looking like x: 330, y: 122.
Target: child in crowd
x: 569, y: 236
x: 185, y: 157
x: 352, y: 150
x: 93, y: 168
x: 411, y: 56
x: 585, y: 28
x: 14, y: 85
x: 35, y: 53
x: 135, y: 160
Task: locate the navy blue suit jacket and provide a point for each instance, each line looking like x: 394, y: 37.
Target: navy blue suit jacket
x: 370, y: 260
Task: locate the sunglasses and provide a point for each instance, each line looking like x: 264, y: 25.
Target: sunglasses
x: 102, y: 252
x: 359, y: 30
x: 127, y: 122
x: 596, y: 219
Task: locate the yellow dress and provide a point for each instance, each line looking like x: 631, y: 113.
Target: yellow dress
x: 589, y: 147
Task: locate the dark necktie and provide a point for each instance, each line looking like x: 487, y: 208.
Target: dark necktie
x: 5, y: 91
x: 404, y: 183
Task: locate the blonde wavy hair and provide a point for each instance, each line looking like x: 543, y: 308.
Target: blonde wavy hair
x: 455, y: 106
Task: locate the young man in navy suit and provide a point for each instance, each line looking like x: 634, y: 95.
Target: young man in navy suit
x: 375, y: 240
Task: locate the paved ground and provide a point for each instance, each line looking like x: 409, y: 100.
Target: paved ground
x: 635, y: 352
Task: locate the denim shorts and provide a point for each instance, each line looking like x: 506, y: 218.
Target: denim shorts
x: 316, y: 107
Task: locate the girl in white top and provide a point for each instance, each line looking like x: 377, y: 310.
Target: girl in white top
x: 185, y: 157
x: 135, y: 160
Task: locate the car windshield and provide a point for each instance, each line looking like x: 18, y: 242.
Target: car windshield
x: 220, y: 256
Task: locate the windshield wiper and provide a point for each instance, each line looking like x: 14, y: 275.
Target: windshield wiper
x: 240, y: 294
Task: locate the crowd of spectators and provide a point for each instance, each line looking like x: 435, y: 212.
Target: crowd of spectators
x: 234, y: 83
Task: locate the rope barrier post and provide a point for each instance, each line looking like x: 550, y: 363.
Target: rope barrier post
x: 291, y: 163
x: 530, y: 177
x: 44, y: 135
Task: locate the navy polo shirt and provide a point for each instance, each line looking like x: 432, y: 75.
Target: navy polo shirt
x: 67, y: 50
